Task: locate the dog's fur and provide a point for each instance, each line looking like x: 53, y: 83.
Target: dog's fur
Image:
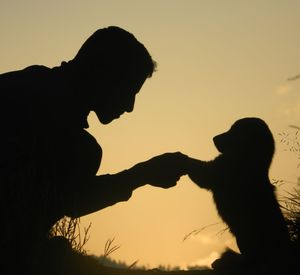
x: 242, y: 192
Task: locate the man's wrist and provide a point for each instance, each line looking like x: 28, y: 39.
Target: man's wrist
x: 131, y: 176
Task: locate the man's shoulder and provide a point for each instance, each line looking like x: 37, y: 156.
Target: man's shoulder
x: 27, y: 78
x: 37, y: 69
x: 34, y: 69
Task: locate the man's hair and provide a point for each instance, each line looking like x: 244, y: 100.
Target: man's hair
x: 115, y: 48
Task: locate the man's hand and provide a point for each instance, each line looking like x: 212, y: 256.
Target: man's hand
x: 163, y: 170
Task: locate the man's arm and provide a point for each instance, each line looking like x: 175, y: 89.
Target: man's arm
x: 106, y: 190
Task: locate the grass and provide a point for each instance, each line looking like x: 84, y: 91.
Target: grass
x: 292, y: 213
x: 71, y: 230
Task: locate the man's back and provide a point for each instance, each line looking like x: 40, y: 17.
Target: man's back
x: 40, y: 146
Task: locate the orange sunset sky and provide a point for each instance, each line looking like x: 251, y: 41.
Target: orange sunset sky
x: 218, y: 61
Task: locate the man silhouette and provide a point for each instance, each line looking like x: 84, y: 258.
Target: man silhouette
x: 48, y: 161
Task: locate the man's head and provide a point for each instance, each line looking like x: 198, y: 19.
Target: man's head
x: 110, y: 68
x: 113, y: 46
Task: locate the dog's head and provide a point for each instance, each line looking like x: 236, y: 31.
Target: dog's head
x: 247, y: 137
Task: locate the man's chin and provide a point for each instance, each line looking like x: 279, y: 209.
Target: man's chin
x: 107, y: 120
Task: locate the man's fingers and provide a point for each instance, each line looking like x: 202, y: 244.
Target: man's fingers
x: 170, y: 182
x: 165, y: 170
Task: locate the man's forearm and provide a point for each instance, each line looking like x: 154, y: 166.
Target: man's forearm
x: 103, y: 191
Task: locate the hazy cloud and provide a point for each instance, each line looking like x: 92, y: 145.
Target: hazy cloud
x: 292, y: 110
x: 283, y: 89
x: 207, y: 261
x: 205, y: 239
x: 231, y: 242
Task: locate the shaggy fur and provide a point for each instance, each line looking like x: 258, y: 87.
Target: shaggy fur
x: 242, y: 192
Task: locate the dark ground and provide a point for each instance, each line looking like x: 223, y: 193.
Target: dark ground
x: 79, y: 264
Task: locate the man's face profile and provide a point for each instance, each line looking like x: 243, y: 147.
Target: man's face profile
x: 116, y: 97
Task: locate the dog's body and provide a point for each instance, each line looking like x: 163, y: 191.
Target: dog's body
x: 244, y: 197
